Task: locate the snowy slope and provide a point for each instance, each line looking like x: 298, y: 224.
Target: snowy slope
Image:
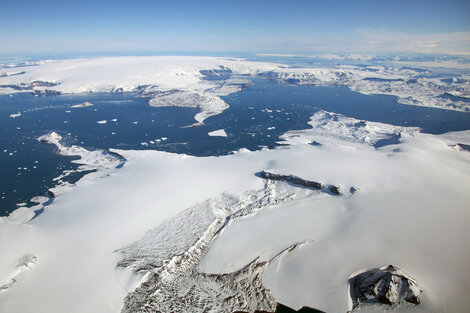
x: 410, y: 210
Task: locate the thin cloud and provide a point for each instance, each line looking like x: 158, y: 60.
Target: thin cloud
x: 447, y: 43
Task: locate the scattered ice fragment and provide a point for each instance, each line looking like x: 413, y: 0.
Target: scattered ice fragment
x: 164, y: 138
x: 135, y: 122
x: 113, y: 133
x: 271, y: 128
x: 83, y: 105
x: 114, y: 120
x: 68, y: 111
x: 39, y: 199
x: 218, y: 133
x: 144, y: 144
x: 15, y: 115
x: 101, y: 122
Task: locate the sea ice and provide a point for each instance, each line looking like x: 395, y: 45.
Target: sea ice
x: 218, y: 133
x: 82, y: 105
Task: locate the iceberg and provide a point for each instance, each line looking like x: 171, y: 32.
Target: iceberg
x: 218, y: 133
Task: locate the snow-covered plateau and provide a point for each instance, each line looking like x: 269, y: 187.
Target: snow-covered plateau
x: 242, y: 232
x: 166, y: 81
x: 200, y: 81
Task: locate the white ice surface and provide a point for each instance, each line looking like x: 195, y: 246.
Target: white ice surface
x: 82, y: 105
x: 218, y: 133
x: 110, y: 73
x: 406, y: 84
x: 411, y: 211
x: 164, y: 73
x: 328, y: 126
x: 159, y: 73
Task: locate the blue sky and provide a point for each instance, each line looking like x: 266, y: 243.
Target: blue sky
x: 254, y: 26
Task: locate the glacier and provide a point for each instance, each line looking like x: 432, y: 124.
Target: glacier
x: 151, y: 230
x: 410, y: 200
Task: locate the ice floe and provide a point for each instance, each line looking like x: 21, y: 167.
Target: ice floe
x: 218, y: 133
x: 82, y: 105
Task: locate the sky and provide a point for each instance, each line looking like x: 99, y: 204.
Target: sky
x: 379, y: 26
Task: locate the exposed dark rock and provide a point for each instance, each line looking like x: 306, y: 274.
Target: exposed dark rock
x: 315, y: 143
x: 285, y: 309
x: 386, y: 286
x: 334, y: 189
x: 117, y: 90
x: 382, y: 80
x: 222, y: 73
x: 293, y: 81
x: 393, y: 139
x: 281, y: 143
x: 291, y: 179
x: 460, y: 147
x: 47, y: 92
x: 30, y: 85
x: 353, y: 190
x: 280, y: 308
x: 150, y: 91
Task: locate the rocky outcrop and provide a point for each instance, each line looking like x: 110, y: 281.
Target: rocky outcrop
x: 387, y: 286
x: 26, y: 262
x: 30, y: 85
x: 220, y: 73
x: 334, y: 189
x: 290, y: 179
x: 460, y: 147
x: 295, y: 180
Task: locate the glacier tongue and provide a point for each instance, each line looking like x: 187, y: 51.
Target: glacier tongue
x: 169, y: 257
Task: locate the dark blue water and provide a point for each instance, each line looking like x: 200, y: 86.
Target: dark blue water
x: 27, y: 167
